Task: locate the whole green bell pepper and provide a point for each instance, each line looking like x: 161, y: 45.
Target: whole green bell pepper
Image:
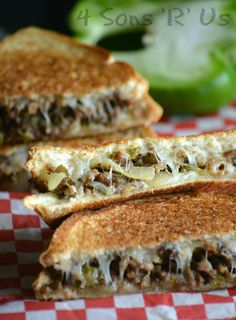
x: 186, y: 49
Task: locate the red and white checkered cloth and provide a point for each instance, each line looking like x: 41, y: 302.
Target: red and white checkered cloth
x: 23, y: 236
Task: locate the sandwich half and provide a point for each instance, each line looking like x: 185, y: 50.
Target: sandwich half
x: 13, y: 158
x: 53, y: 87
x: 175, y: 242
x: 72, y: 179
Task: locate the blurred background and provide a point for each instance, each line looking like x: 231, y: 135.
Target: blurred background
x: 185, y: 49
x: 50, y: 14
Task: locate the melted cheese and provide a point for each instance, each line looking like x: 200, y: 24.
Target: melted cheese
x: 146, y: 257
x: 152, y: 176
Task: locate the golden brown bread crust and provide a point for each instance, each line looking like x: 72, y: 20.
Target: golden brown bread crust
x: 53, y: 87
x: 13, y: 158
x: 229, y: 135
x: 55, y: 219
x: 36, y: 62
x: 31, y: 37
x: 104, y: 138
x: 180, y: 224
x: 142, y: 132
x: 145, y: 222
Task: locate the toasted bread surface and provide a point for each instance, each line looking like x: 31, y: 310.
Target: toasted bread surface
x: 223, y: 140
x: 174, y: 242
x: 37, y: 62
x: 141, y: 132
x: 15, y: 156
x: 54, y: 211
x: 142, y: 223
x: 52, y: 87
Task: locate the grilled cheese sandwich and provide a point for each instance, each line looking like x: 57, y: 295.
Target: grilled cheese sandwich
x: 13, y: 158
x: 174, y: 242
x: 53, y: 87
x: 74, y: 179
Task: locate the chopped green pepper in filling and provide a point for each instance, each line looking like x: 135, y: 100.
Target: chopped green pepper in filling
x: 167, y: 266
x: 28, y: 120
x: 124, y: 172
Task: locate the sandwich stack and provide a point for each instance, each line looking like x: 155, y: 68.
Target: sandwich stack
x: 175, y: 242
x: 141, y: 214
x: 56, y: 91
x: 146, y: 214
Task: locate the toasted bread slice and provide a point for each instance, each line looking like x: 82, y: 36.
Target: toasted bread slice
x: 73, y: 179
x: 174, y: 242
x: 13, y: 158
x: 53, y: 87
x: 139, y: 132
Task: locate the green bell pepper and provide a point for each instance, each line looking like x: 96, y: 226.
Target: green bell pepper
x: 185, y: 49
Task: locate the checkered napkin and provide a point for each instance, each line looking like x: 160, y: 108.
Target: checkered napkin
x: 23, y: 236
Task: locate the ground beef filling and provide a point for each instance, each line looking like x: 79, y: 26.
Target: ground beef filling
x: 106, y: 180
x: 165, y: 270
x: 29, y: 121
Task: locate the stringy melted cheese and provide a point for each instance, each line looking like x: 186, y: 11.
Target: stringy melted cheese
x: 194, y: 165
x: 182, y: 254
